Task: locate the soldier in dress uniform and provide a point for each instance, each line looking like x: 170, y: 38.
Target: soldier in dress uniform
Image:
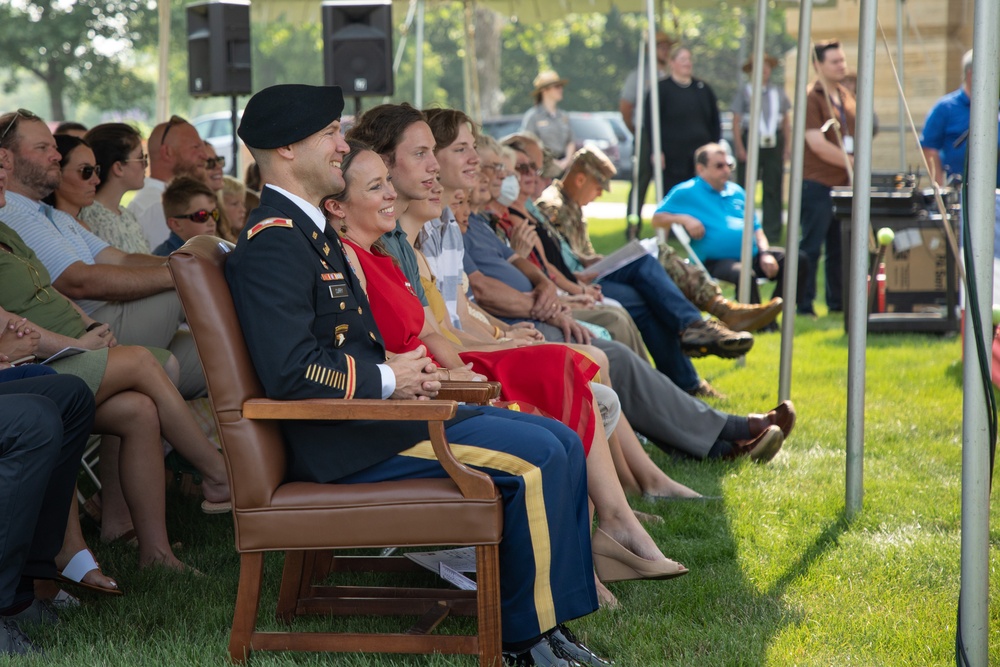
x: 310, y: 333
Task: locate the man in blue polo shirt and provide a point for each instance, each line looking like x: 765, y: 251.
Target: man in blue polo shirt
x: 710, y: 207
x: 945, y: 137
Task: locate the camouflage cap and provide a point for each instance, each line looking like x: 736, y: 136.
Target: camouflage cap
x: 593, y: 162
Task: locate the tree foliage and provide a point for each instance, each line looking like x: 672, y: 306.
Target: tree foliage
x: 80, y: 49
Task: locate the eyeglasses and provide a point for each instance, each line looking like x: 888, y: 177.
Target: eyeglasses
x: 527, y: 168
x: 36, y: 279
x: 87, y: 171
x: 497, y: 167
x: 20, y: 113
x: 213, y: 162
x: 722, y: 165
x: 201, y: 216
x: 143, y: 158
x: 174, y: 120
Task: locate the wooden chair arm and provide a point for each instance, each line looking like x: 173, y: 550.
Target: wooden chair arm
x: 472, y: 483
x: 337, y: 409
x: 479, y: 393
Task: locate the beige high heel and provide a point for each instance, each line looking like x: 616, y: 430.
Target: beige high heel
x: 613, y: 562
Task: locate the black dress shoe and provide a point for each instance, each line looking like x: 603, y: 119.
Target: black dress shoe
x: 565, y: 642
x: 543, y: 654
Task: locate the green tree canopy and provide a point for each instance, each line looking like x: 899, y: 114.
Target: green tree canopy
x: 81, y: 49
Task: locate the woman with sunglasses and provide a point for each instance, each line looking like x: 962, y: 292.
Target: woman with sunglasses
x: 215, y: 179
x: 119, y: 154
x: 80, y: 175
x: 191, y: 210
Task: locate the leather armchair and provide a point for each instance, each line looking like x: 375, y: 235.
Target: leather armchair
x: 308, y: 521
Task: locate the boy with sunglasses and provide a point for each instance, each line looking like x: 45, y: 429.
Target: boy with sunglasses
x: 191, y: 209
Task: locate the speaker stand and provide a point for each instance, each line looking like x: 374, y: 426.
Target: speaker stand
x: 357, y: 107
x: 236, y: 144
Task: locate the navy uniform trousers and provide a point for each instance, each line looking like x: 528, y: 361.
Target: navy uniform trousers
x: 44, y: 423
x: 546, y: 568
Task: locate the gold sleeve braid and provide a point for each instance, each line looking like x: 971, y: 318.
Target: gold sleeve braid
x: 340, y: 380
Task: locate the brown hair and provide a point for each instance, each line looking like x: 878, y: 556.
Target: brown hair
x: 446, y: 124
x: 180, y: 192
x: 382, y: 128
x: 357, y: 147
x: 111, y: 143
x: 820, y: 48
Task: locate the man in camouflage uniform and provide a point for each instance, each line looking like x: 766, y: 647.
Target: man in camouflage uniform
x: 562, y: 202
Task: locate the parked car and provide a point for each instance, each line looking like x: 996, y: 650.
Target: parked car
x: 626, y: 143
x: 499, y: 127
x: 589, y: 129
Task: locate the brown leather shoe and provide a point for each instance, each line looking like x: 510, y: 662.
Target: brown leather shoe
x: 745, y: 316
x: 761, y: 449
x: 712, y: 337
x: 705, y: 390
x: 782, y: 416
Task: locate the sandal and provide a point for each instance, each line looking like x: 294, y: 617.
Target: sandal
x: 224, y: 507
x: 79, y: 566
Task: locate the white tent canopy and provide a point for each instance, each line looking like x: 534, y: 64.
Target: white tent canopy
x: 981, y: 206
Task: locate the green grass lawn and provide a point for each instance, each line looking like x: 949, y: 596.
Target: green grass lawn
x: 778, y: 576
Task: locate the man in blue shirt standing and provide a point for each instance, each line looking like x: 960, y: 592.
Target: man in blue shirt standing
x: 946, y: 130
x: 710, y: 207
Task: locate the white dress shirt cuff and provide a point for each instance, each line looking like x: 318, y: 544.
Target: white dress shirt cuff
x: 388, y: 381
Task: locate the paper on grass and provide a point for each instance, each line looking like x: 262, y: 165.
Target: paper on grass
x: 449, y: 564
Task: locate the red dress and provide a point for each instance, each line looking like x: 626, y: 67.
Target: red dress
x: 553, y: 378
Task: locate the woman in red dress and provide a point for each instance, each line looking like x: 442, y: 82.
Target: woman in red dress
x: 553, y: 378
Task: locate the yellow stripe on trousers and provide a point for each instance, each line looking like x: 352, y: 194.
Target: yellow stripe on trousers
x: 534, y: 501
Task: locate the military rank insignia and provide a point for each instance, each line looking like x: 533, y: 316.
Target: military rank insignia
x: 265, y: 224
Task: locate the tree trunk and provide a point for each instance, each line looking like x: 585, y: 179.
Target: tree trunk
x: 488, y: 25
x: 56, y: 83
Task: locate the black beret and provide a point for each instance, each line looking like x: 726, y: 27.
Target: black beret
x: 283, y: 114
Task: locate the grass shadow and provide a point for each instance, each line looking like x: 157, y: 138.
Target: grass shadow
x: 824, y: 541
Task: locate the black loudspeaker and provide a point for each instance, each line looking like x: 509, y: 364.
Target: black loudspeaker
x: 219, y: 48
x: 357, y: 47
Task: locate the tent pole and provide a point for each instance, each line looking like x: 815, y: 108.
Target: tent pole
x: 795, y: 199
x: 902, y: 83
x: 163, y: 74
x: 857, y: 332
x: 640, y: 107
x: 654, y: 105
x: 974, y: 601
x: 753, y: 153
x: 418, y: 64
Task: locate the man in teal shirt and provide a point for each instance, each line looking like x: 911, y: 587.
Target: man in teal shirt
x: 710, y: 207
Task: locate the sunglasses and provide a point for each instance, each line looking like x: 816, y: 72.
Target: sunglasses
x: 87, y: 171
x: 213, y: 162
x: 174, y: 120
x: 526, y: 169
x: 20, y: 113
x: 143, y: 158
x: 201, y: 216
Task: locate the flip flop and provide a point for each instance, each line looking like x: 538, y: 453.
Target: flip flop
x: 80, y: 566
x: 208, y: 507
